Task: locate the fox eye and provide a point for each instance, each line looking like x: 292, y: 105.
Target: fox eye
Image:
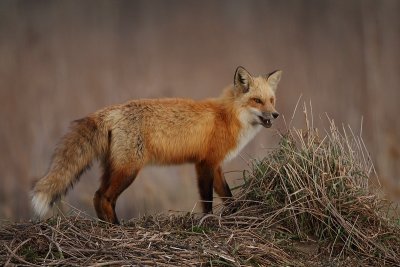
x: 257, y: 100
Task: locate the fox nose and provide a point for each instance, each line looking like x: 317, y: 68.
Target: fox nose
x: 275, y: 115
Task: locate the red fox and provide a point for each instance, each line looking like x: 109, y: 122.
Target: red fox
x: 126, y: 137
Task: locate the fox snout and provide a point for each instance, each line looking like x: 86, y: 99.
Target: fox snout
x: 266, y: 118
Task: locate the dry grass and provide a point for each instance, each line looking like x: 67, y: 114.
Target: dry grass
x: 317, y: 187
x: 154, y: 240
x: 307, y: 203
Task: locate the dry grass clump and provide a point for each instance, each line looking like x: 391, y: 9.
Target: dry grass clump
x: 317, y: 187
x: 307, y: 203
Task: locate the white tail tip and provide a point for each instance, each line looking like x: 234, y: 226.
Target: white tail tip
x: 40, y: 204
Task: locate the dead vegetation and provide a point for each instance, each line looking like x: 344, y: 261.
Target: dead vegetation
x: 307, y: 203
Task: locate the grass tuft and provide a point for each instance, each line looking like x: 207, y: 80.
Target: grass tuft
x: 318, y: 187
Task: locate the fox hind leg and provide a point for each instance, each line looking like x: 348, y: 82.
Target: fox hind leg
x: 113, y: 183
x: 98, y: 196
x: 121, y: 165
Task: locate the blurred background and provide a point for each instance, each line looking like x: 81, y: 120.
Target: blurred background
x: 61, y: 60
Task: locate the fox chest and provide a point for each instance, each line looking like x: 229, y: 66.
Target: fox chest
x: 244, y: 137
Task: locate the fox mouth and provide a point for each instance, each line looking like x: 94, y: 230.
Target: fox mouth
x: 266, y: 122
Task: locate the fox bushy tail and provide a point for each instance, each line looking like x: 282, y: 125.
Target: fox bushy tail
x: 85, y: 141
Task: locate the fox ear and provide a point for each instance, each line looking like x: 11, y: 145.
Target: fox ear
x: 242, y: 79
x: 273, y: 79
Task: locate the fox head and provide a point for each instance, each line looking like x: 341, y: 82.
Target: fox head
x: 255, y: 96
